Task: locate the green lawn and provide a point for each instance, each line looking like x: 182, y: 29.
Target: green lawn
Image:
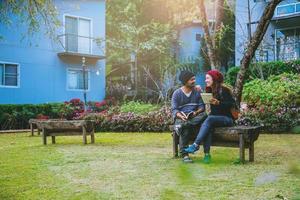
x: 140, y: 166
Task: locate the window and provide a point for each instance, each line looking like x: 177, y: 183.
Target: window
x: 287, y: 44
x: 288, y: 9
x: 198, y: 37
x: 298, y: 7
x: 78, y: 34
x: 75, y: 79
x: 9, y: 75
x: 262, y: 56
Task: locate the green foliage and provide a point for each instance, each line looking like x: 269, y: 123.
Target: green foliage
x: 158, y: 120
x: 275, y: 92
x: 17, y: 116
x: 132, y: 28
x: 263, y: 70
x: 226, y: 37
x: 35, y: 13
x: 231, y: 74
x: 193, y: 66
x: 138, y: 107
x: 274, y: 102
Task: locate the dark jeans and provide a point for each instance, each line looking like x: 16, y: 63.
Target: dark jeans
x: 188, y: 129
x: 206, y: 130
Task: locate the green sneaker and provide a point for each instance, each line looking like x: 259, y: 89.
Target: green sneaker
x: 207, y: 158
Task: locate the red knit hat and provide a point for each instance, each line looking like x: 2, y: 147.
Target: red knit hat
x: 216, y: 75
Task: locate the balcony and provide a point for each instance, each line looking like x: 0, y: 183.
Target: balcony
x: 287, y: 11
x: 281, y: 52
x: 74, y: 47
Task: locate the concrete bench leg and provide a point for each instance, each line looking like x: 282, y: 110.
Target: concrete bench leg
x: 175, y: 144
x: 84, y: 135
x: 93, y: 136
x: 32, y: 130
x: 53, y: 139
x: 251, y: 151
x: 242, y: 148
x: 44, y: 133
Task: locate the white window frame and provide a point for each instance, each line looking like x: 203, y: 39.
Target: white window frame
x: 78, y: 69
x: 78, y: 17
x: 275, y: 42
x: 284, y: 5
x: 18, y: 75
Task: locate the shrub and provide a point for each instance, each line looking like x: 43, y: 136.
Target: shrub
x: 131, y: 122
x: 231, y: 74
x: 138, y: 107
x: 273, y: 102
x: 263, y: 70
x: 17, y: 116
x: 72, y: 109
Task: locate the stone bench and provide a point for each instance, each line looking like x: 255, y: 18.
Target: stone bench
x: 34, y: 124
x: 241, y: 137
x: 66, y: 128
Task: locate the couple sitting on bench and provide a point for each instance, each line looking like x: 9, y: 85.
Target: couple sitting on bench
x: 188, y: 111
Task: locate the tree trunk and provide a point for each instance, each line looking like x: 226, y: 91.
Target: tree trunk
x: 219, y: 15
x: 218, y: 29
x: 212, y: 41
x: 252, y: 46
x: 210, y: 47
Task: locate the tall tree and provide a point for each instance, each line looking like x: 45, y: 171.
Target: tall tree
x: 31, y: 12
x: 213, y: 38
x: 251, y: 47
x: 131, y: 28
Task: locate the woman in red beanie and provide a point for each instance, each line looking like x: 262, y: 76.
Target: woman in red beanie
x: 220, y: 114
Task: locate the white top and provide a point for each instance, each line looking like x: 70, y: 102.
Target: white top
x: 187, y: 94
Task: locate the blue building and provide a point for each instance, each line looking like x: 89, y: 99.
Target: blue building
x: 188, y: 52
x: 41, y: 70
x: 282, y: 39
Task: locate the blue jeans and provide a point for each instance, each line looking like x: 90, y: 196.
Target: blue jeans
x: 206, y: 130
x: 188, y: 129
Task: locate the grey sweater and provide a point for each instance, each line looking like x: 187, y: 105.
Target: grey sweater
x: 182, y: 103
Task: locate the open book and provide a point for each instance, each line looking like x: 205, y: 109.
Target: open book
x: 206, y: 97
x: 188, y: 115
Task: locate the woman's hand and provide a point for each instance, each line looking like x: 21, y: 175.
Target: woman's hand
x: 198, y: 88
x: 214, y: 101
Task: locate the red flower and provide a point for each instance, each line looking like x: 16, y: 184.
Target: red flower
x: 42, y: 117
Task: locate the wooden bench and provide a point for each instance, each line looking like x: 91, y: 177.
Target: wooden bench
x: 67, y: 128
x: 33, y: 123
x: 241, y: 137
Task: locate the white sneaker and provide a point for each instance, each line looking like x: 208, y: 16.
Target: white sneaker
x: 177, y: 129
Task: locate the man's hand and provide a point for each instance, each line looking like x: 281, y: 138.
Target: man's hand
x: 214, y: 101
x: 181, y: 116
x: 198, y: 112
x: 198, y: 88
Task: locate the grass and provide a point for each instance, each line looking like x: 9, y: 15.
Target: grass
x: 139, y: 166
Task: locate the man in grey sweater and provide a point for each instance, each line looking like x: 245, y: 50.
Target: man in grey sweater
x: 187, y: 110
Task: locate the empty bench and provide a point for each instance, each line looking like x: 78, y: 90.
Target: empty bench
x: 241, y: 137
x: 35, y: 124
x: 55, y: 128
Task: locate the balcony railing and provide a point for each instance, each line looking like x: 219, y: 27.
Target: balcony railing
x: 287, y: 9
x: 284, y: 52
x: 73, y: 43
